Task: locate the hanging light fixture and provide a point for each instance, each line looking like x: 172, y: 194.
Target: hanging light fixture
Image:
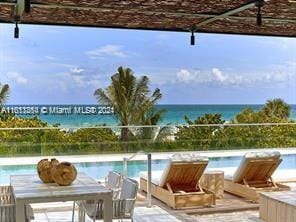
x: 27, y: 6
x: 259, y: 4
x: 16, y: 31
x: 18, y: 12
x: 192, y: 37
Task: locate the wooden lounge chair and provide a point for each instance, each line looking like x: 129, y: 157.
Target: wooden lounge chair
x: 254, y: 175
x: 178, y: 185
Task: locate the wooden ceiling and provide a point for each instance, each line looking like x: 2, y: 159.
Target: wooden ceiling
x: 209, y: 16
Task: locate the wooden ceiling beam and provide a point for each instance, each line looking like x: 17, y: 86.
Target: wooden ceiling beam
x: 228, y: 13
x: 210, y: 17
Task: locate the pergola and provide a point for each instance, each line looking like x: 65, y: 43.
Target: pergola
x: 206, y: 16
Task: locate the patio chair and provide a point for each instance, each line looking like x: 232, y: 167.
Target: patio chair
x: 112, y: 181
x: 178, y: 185
x: 7, y: 206
x: 254, y: 175
x: 123, y: 207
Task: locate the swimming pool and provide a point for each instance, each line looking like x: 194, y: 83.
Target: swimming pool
x: 99, y: 170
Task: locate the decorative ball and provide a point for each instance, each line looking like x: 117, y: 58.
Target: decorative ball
x: 64, y: 173
x: 44, y: 169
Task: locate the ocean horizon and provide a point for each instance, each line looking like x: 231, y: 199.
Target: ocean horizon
x: 89, y: 115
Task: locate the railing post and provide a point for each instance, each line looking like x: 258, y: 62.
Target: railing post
x: 125, y: 167
x: 149, y: 200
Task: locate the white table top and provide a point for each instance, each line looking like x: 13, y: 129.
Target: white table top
x: 28, y: 187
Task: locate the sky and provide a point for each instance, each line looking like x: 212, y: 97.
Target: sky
x: 64, y: 65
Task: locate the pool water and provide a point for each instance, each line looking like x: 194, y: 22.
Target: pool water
x: 99, y: 170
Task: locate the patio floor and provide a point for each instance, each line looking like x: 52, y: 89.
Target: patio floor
x: 157, y: 214
x: 229, y: 209
x: 61, y: 212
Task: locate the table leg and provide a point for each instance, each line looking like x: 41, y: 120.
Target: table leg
x: 20, y: 214
x: 81, y: 213
x: 108, y: 208
x: 73, y: 211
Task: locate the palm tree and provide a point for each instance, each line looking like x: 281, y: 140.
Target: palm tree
x: 130, y: 98
x: 152, y: 118
x: 4, y: 94
x: 276, y: 108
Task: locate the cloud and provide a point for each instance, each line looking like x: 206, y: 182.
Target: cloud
x: 107, y: 50
x: 84, y: 82
x: 218, y: 75
x: 17, y: 77
x: 185, y: 75
x: 76, y: 70
x: 215, y: 76
x: 51, y: 58
x: 79, y: 77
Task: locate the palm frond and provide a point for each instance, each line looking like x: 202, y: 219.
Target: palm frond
x: 165, y: 133
x: 131, y: 99
x: 4, y: 93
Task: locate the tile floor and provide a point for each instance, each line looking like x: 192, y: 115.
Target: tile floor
x: 156, y: 214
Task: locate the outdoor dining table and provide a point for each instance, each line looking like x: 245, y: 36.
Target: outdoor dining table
x: 29, y: 189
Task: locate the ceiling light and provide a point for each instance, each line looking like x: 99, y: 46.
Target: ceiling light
x: 27, y: 6
x: 16, y: 31
x: 259, y: 4
x: 192, y: 39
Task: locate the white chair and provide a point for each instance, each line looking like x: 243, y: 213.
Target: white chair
x: 123, y: 207
x: 7, y: 206
x: 112, y: 181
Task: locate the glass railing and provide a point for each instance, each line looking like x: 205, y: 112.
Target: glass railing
x: 114, y: 139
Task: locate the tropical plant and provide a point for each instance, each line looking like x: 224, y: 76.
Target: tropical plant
x: 4, y: 94
x: 130, y: 98
x: 247, y: 115
x: 201, y: 136
x: 237, y: 135
x: 151, y: 131
x: 276, y: 108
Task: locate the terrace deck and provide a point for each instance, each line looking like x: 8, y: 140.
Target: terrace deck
x: 231, y: 208
x: 229, y: 203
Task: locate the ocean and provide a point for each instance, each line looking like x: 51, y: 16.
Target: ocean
x: 92, y: 115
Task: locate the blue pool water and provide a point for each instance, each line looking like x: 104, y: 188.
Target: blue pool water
x: 99, y: 170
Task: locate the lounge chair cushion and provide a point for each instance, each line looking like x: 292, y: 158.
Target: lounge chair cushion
x: 155, y: 176
x: 187, y: 157
x: 279, y: 174
x: 239, y: 174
